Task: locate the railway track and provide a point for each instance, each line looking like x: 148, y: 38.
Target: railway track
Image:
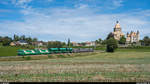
x: 49, y: 54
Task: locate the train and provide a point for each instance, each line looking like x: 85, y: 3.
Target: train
x: 23, y: 52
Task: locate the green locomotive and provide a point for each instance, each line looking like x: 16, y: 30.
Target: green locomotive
x: 44, y: 51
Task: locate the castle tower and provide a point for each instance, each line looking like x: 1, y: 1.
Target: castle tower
x: 138, y: 36
x: 128, y: 38
x: 117, y: 31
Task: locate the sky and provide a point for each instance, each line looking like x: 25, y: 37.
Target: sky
x: 79, y: 20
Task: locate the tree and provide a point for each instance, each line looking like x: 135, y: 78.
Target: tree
x: 29, y: 39
x: 68, y: 43
x: 110, y: 35
x: 122, y: 40
x: 55, y: 44
x: 104, y: 42
x: 111, y: 45
x: 22, y: 37
x: 99, y: 41
x: 16, y: 38
x: 63, y: 44
x: 83, y: 43
x: 71, y: 44
x: 35, y: 39
x: 6, y: 41
x: 142, y: 42
x: 1, y: 39
x: 146, y: 41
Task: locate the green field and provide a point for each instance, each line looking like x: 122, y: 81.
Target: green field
x: 9, y: 51
x: 121, y: 66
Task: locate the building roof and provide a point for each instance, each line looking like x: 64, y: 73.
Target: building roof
x: 22, y: 41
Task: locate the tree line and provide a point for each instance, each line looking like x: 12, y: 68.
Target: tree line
x: 110, y: 35
x: 56, y: 44
x: 23, y: 37
x: 5, y: 41
x: 109, y: 41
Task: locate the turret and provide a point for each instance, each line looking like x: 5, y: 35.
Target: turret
x: 127, y: 33
x: 138, y: 36
x: 117, y: 21
x: 138, y: 32
x: 131, y: 32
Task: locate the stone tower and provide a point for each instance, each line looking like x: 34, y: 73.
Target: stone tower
x: 117, y: 31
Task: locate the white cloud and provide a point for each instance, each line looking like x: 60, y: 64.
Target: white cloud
x: 117, y: 3
x: 80, y: 23
x: 102, y: 4
x: 77, y: 24
x: 21, y: 3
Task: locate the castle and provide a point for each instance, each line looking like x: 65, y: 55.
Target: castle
x: 133, y: 37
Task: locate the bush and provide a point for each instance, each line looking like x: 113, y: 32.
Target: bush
x: 50, y: 56
x: 68, y: 55
x: 110, y: 48
x: 28, y: 58
x: 61, y: 56
x: 23, y: 56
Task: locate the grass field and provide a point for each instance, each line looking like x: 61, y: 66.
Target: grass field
x: 9, y: 51
x: 121, y: 66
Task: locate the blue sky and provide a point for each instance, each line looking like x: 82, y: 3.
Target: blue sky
x: 79, y: 20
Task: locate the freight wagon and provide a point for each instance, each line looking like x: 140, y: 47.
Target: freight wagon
x: 53, y: 51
